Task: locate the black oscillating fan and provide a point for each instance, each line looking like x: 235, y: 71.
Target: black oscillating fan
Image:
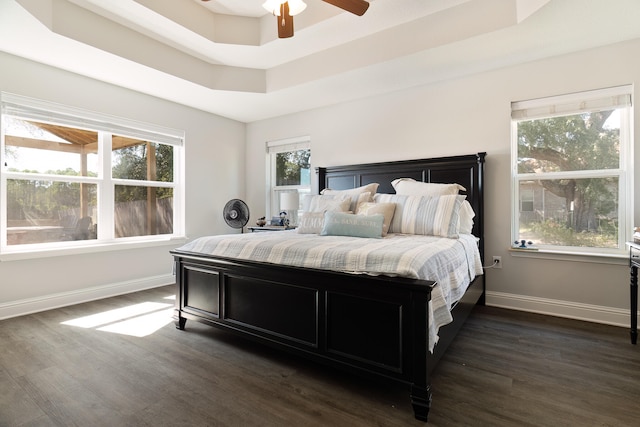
x: 236, y: 213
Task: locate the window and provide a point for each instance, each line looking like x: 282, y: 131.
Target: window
x: 288, y: 170
x: 571, y: 163
x: 526, y: 199
x: 72, y: 178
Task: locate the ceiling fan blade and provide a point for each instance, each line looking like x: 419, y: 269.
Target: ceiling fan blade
x: 357, y: 7
x: 285, y: 22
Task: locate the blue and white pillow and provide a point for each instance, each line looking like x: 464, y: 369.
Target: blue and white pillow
x: 427, y: 215
x: 344, y: 224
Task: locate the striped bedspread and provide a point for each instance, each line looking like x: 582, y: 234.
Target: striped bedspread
x: 452, y: 263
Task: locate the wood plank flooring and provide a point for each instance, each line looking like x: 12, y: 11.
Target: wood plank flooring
x: 506, y: 368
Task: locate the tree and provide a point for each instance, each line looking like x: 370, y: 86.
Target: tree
x: 43, y: 199
x: 289, y: 166
x: 573, y: 143
x: 131, y: 163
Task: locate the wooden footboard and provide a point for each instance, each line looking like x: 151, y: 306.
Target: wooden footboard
x: 371, y: 326
x: 363, y: 324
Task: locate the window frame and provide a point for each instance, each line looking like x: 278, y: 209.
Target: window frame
x: 619, y: 97
x: 272, y: 191
x: 106, y: 126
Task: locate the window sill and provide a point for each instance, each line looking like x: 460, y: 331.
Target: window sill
x: 90, y: 248
x: 598, y: 258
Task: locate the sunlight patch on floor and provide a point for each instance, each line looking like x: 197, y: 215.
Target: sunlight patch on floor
x: 136, y: 320
x: 141, y: 326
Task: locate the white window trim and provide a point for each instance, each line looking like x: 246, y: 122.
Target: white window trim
x: 45, y: 111
x: 280, y: 146
x: 563, y: 105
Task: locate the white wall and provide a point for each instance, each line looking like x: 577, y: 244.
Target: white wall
x: 460, y: 116
x: 215, y: 158
x: 463, y: 116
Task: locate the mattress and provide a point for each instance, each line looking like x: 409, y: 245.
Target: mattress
x: 451, y: 263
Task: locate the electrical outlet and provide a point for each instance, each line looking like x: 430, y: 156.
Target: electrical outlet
x: 497, y: 261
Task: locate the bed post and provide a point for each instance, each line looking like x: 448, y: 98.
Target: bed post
x: 177, y: 317
x: 322, y: 176
x: 420, y: 383
x: 480, y: 215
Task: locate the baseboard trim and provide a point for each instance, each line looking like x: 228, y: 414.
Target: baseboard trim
x: 559, y: 308
x: 48, y: 302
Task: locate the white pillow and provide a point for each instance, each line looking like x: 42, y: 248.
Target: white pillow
x: 322, y: 203
x: 431, y: 216
x: 411, y: 187
x: 310, y: 223
x: 354, y: 193
x: 466, y: 218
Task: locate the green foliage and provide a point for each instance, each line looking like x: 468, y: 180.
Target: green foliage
x: 573, y: 143
x: 131, y: 163
x: 46, y: 199
x: 568, y: 143
x: 554, y: 233
x: 290, y: 165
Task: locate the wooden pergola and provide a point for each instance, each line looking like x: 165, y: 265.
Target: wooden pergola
x: 85, y: 142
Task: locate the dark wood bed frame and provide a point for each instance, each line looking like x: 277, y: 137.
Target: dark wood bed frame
x: 375, y: 326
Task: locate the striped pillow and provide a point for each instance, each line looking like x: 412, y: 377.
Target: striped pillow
x: 428, y: 215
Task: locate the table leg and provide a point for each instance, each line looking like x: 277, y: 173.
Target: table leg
x: 634, y: 304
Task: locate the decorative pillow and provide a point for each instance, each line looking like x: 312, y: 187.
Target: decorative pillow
x: 343, y: 224
x: 411, y: 187
x: 310, y: 223
x: 466, y: 218
x: 322, y: 203
x: 363, y: 198
x: 431, y: 216
x: 386, y: 209
x: 353, y: 193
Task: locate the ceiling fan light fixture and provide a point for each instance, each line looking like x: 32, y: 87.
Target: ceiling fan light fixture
x: 275, y: 6
x: 284, y: 10
x: 296, y: 7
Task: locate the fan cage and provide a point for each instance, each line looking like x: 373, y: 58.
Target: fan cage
x: 236, y: 213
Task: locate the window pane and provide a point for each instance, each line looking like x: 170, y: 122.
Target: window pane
x: 572, y: 212
x: 50, y: 211
x: 141, y: 160
x: 293, y: 168
x: 45, y: 148
x: 526, y: 199
x: 143, y: 211
x: 589, y: 141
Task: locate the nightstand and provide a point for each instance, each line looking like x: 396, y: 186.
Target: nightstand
x: 272, y: 228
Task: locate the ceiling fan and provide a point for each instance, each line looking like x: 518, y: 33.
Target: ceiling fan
x: 285, y: 10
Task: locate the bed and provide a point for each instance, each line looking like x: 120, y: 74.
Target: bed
x: 376, y: 324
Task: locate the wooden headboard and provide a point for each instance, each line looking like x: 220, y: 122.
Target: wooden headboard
x: 466, y: 170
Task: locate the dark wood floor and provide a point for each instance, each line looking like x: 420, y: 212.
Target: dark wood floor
x: 505, y: 368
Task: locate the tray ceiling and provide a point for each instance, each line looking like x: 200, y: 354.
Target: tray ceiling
x: 224, y: 57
